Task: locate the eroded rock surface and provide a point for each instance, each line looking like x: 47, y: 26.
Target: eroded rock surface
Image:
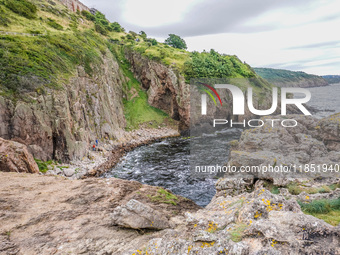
x: 14, y: 157
x: 54, y: 215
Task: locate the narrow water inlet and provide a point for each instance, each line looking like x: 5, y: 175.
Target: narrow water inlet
x: 166, y: 164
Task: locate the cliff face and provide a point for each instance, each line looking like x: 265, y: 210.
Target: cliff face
x: 60, y: 124
x: 63, y: 124
x: 166, y: 88
x: 75, y: 5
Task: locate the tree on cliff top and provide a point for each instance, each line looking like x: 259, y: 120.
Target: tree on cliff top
x: 176, y: 42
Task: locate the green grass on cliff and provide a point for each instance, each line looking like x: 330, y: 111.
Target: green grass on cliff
x: 327, y: 210
x: 34, y: 63
x: 164, y: 196
x: 136, y: 108
x: 31, y: 65
x: 66, y: 40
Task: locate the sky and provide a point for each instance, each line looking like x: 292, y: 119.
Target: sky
x: 297, y: 35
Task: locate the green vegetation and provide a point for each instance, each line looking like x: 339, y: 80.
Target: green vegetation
x: 296, y: 189
x: 54, y: 24
x: 327, y: 210
x: 138, y: 111
x: 30, y: 63
x: 283, y: 76
x: 66, y: 40
x: 136, y: 108
x: 176, y: 42
x: 236, y: 233
x: 4, y: 21
x: 164, y: 196
x: 214, y: 65
x: 22, y: 7
x: 43, y: 166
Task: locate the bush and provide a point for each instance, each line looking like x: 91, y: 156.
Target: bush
x: 100, y: 29
x: 176, y: 42
x: 115, y: 27
x: 152, y: 41
x: 89, y: 16
x: 22, y: 7
x: 134, y: 34
x: 143, y: 35
x: 54, y: 24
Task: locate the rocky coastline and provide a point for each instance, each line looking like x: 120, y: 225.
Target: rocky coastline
x: 113, y: 216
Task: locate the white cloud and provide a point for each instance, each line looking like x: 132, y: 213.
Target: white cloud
x: 297, y: 35
x: 155, y: 13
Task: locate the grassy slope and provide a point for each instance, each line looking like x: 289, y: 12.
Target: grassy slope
x: 36, y: 64
x: 280, y: 75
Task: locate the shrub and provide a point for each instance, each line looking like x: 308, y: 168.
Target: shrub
x: 88, y: 15
x: 22, y: 7
x: 100, y: 29
x: 115, y: 27
x: 143, y: 35
x: 54, y: 24
x: 152, y: 41
x: 176, y: 42
x: 134, y: 34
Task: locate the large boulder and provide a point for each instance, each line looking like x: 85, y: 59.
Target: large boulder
x: 14, y: 157
x: 137, y: 215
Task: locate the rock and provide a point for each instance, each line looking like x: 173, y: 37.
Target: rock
x: 307, y: 143
x: 74, y: 216
x: 57, y: 170
x: 166, y: 89
x: 204, y: 236
x: 296, y: 233
x: 137, y: 215
x: 61, y: 123
x: 329, y: 131
x: 14, y: 157
x: 68, y: 172
x: 51, y: 172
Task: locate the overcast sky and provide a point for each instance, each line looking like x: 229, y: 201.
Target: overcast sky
x: 298, y: 35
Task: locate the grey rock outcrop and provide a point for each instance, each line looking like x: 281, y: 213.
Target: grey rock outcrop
x: 61, y: 124
x: 137, y: 215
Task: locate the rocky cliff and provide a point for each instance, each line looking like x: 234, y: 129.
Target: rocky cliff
x: 75, y: 5
x: 60, y: 124
x: 165, y: 86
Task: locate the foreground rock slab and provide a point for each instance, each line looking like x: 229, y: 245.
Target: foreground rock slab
x: 136, y: 215
x: 55, y: 215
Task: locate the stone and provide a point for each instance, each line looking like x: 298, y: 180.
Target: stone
x: 14, y: 157
x: 137, y: 215
x: 204, y: 236
x: 68, y: 172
